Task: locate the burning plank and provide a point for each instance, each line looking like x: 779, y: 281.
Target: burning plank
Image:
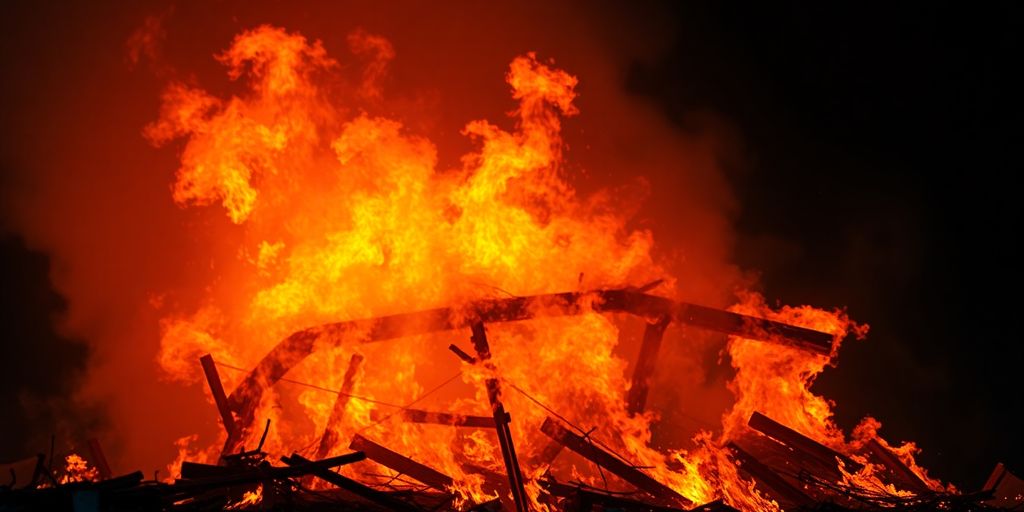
x: 330, y: 436
x: 800, y: 442
x: 440, y: 418
x: 217, y: 390
x: 895, y: 466
x: 776, y: 485
x: 610, y: 462
x: 401, y: 463
x: 379, y: 497
x: 637, y: 398
x: 299, y: 345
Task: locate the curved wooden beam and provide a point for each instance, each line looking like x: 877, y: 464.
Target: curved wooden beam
x: 295, y: 348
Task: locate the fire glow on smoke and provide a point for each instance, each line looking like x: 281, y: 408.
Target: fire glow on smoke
x: 342, y: 214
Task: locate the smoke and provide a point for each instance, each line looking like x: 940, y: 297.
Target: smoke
x: 90, y: 191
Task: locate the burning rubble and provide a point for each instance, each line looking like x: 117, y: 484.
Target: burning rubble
x: 370, y: 280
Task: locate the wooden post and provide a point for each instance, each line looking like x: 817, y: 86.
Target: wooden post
x: 217, y: 390
x: 501, y: 421
x: 637, y: 398
x: 613, y: 464
x: 331, y: 434
x: 401, y: 463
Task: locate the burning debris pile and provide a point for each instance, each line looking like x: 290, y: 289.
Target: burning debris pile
x: 336, y: 214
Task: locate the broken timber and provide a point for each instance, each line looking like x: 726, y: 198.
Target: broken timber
x: 330, y: 436
x: 776, y: 485
x: 610, y: 462
x: 366, y: 492
x: 800, y: 442
x: 501, y: 422
x: 439, y: 418
x: 637, y: 398
x: 895, y: 466
x: 296, y: 347
x: 401, y: 463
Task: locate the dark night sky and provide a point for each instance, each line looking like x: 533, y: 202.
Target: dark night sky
x: 876, y: 165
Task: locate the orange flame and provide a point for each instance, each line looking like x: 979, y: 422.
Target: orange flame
x: 337, y: 213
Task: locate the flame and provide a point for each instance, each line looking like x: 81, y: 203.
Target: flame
x: 336, y: 212
x: 249, y: 499
x: 77, y: 469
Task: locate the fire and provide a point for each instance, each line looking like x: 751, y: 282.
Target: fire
x: 249, y: 499
x: 77, y: 469
x: 337, y: 212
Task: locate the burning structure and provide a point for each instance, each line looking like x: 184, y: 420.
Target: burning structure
x: 364, y: 283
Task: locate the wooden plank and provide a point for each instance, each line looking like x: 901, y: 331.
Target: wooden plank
x: 217, y: 390
x: 775, y: 484
x: 800, y: 442
x: 899, y: 470
x: 610, y: 462
x: 438, y: 418
x: 636, y: 400
x: 331, y: 434
x: 379, y: 497
x: 402, y: 464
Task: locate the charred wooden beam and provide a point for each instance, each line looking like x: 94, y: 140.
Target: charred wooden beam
x: 800, y: 442
x: 366, y: 492
x: 895, y: 466
x: 217, y: 390
x: 231, y: 476
x: 439, y: 418
x: 401, y: 463
x: 501, y: 422
x: 637, y: 398
x: 776, y: 485
x: 613, y: 464
x: 296, y: 347
x: 99, y: 459
x: 331, y: 435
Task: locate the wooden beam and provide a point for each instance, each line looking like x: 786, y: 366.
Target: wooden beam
x: 636, y: 400
x: 331, y: 434
x: 296, y: 347
x: 900, y: 471
x: 613, y: 464
x: 439, y: 418
x: 775, y: 484
x: 800, y: 442
x: 373, y: 495
x: 402, y: 464
x: 217, y: 390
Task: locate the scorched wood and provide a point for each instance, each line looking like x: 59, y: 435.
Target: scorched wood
x: 379, y: 497
x: 800, y: 442
x: 296, y: 347
x: 646, y: 361
x: 401, y: 463
x: 610, y: 462
x: 776, y: 485
x: 330, y: 436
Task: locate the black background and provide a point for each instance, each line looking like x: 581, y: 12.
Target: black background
x: 877, y: 170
